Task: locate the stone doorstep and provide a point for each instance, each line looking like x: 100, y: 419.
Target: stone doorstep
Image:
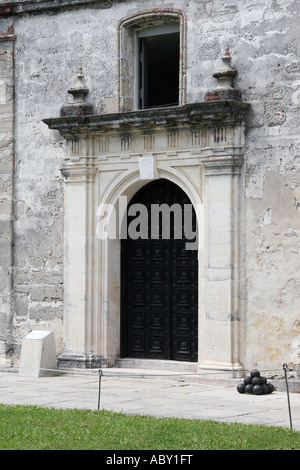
x: 164, y: 369
x: 157, y: 365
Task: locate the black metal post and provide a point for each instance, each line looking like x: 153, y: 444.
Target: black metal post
x: 285, y: 368
x: 99, y: 389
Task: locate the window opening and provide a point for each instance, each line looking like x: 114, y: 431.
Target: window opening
x: 158, y: 66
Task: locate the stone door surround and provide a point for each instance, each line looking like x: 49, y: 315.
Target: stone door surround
x: 200, y: 148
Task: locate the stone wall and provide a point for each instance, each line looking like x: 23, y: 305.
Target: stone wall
x: 6, y: 185
x: 263, y: 39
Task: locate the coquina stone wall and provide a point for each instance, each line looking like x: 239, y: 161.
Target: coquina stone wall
x: 50, y: 45
x: 6, y: 186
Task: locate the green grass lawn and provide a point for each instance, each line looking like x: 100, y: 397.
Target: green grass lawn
x: 33, y: 428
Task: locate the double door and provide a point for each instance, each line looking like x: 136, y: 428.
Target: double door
x: 159, y: 279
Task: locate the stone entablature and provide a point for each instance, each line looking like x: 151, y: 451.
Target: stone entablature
x: 203, y: 129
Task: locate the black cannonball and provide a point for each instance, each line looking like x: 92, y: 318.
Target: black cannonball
x: 255, y: 373
x: 256, y: 381
x: 247, y: 380
x: 270, y: 388
x: 264, y: 380
x: 241, y: 388
x: 257, y: 389
x: 248, y: 388
x: 265, y: 389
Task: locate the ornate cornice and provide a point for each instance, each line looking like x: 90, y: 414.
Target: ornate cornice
x: 16, y: 7
x: 210, y: 132
x: 203, y: 114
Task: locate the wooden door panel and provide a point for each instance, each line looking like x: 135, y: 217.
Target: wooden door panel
x: 159, y: 288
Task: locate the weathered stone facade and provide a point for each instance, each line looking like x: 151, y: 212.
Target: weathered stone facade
x: 7, y: 185
x: 56, y: 169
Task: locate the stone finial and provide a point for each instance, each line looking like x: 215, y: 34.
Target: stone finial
x: 225, y: 76
x: 78, y: 106
x: 79, y: 89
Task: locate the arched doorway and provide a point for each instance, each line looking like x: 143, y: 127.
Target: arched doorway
x: 159, y: 276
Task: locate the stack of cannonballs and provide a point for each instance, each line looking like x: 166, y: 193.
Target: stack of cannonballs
x: 254, y: 384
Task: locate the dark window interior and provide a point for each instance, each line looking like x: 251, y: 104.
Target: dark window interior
x: 159, y: 71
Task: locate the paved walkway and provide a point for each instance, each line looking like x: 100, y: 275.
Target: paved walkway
x: 129, y: 391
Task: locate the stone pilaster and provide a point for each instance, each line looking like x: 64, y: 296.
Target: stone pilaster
x: 220, y: 316
x: 79, y: 273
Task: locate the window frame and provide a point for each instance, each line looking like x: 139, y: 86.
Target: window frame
x: 145, y: 33
x: 128, y: 30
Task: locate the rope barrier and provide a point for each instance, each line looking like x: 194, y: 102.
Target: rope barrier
x: 138, y: 374
x: 157, y: 373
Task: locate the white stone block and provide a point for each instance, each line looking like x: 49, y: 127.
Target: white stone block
x: 38, y: 354
x: 147, y: 167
